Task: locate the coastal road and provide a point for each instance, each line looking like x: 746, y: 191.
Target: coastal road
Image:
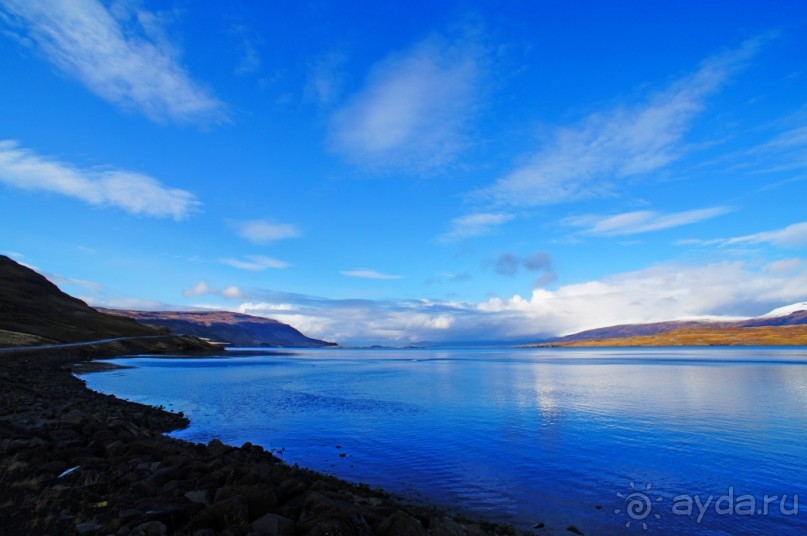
x: 87, y: 343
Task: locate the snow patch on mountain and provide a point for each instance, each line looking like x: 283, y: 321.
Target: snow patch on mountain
x: 786, y: 310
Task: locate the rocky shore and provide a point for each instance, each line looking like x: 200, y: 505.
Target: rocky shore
x: 73, y: 461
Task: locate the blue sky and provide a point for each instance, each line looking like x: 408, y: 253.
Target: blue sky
x: 395, y: 173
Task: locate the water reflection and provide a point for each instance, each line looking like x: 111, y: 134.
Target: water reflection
x: 516, y: 435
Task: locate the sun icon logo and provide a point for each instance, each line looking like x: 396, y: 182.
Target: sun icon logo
x: 638, y: 505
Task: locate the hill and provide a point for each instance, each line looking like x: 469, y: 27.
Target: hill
x: 769, y: 329
x: 709, y: 336
x: 222, y: 326
x: 34, y: 311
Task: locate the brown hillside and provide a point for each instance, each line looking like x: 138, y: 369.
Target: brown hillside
x: 713, y: 336
x: 233, y: 328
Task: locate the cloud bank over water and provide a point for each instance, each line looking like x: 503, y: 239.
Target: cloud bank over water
x: 659, y: 293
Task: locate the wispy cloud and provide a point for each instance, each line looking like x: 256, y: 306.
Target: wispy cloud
x: 471, y: 225
x: 264, y: 231
x: 364, y: 273
x: 130, y: 191
x: 247, y: 42
x: 448, y: 277
x: 641, y: 221
x: 255, y: 263
x: 326, y: 78
x: 414, y: 108
x: 591, y: 158
x: 121, y: 56
x: 792, y: 236
x: 787, y: 151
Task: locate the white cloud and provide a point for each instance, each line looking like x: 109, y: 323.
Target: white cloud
x: 592, y: 157
x: 130, y: 191
x: 122, y: 56
x: 264, y: 231
x: 792, y: 236
x: 414, y: 109
x: 202, y: 288
x: 471, y: 225
x: 199, y: 289
x: 364, y: 273
x: 255, y: 263
x: 658, y: 293
x: 641, y: 221
x: 232, y: 292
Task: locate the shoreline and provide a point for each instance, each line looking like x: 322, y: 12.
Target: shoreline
x: 74, y: 461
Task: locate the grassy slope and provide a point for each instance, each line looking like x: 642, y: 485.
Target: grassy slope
x: 715, y: 336
x: 34, y: 311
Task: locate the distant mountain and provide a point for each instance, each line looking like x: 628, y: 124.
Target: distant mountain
x: 785, y: 335
x: 636, y: 330
x: 692, y: 331
x: 791, y: 319
x: 34, y: 311
x: 222, y: 326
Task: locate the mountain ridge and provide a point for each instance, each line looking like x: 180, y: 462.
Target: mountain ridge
x: 710, y: 331
x: 237, y: 329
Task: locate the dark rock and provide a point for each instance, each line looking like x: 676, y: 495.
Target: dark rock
x: 150, y: 528
x: 201, y: 496
x: 74, y: 417
x: 129, y: 515
x: 401, y: 524
x: 574, y: 530
x: 259, y: 499
x: 291, y: 487
x: 316, y: 504
x: 216, y: 447
x: 273, y: 525
x: 55, y: 467
x: 11, y: 446
x: 88, y: 528
x: 231, y: 512
x: 63, y: 435
x: 445, y: 526
x: 339, y: 523
x: 37, y: 442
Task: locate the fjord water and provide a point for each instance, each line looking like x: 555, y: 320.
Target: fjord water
x: 688, y: 441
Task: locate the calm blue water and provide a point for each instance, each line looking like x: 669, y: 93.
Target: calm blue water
x: 555, y: 436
